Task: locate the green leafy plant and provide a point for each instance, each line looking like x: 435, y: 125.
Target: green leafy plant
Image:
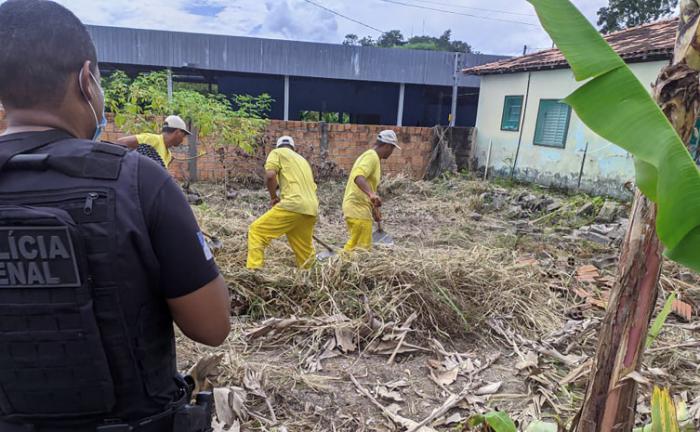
x: 667, y: 416
x: 138, y: 105
x: 660, y: 320
x: 611, y: 97
x: 496, y: 421
x: 540, y: 426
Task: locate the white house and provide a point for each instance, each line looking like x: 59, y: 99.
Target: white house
x: 534, y: 137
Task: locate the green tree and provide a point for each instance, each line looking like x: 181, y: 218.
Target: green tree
x: 367, y: 41
x: 622, y: 14
x: 138, y: 104
x: 351, y: 39
x: 391, y: 39
x: 394, y: 39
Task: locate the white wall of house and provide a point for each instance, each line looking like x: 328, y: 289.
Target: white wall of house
x: 606, y: 167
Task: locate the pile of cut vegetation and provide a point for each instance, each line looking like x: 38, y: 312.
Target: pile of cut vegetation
x: 451, y: 289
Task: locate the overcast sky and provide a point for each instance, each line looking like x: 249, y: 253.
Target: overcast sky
x: 490, y: 26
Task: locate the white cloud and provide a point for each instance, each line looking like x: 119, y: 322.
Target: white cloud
x: 300, y: 20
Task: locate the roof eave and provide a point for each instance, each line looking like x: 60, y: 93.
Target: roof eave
x: 637, y: 58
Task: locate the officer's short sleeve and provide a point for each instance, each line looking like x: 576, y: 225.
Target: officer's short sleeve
x: 273, y: 162
x: 185, y: 261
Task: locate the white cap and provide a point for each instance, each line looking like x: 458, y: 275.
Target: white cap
x: 175, y: 122
x: 285, y: 140
x: 388, y: 137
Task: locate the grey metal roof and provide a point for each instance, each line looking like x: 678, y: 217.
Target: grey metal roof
x: 280, y: 57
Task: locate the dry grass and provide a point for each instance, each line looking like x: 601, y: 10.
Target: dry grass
x: 459, y: 275
x: 454, y: 289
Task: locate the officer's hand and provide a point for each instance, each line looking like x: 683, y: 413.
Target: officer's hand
x: 274, y: 202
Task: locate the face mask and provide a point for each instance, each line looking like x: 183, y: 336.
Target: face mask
x: 99, y: 124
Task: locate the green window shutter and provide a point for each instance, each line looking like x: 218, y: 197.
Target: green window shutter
x: 552, y: 123
x: 512, y: 108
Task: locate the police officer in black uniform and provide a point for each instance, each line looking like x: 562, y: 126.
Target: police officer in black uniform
x: 99, y: 251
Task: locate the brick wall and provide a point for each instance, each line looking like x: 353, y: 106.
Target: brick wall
x: 319, y: 143
x: 328, y: 147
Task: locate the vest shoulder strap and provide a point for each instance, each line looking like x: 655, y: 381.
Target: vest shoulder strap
x: 103, y: 162
x: 13, y: 145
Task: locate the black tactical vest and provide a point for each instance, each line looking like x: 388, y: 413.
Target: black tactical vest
x: 84, y: 336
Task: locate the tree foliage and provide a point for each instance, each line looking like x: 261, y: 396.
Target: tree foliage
x: 622, y: 14
x: 395, y: 39
x: 138, y: 104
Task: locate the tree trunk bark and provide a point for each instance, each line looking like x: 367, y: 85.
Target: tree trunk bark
x: 610, y: 400
x: 610, y: 403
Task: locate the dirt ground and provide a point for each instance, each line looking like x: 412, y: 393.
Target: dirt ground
x: 305, y: 361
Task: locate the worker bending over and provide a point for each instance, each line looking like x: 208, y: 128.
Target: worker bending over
x: 361, y: 202
x: 157, y: 146
x: 293, y: 213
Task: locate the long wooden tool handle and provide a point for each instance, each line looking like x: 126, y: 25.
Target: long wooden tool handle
x: 322, y: 243
x: 378, y: 217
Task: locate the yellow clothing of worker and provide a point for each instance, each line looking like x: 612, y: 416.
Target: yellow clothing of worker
x: 275, y: 223
x: 357, y: 208
x: 156, y: 141
x: 296, y: 181
x: 295, y: 214
x: 356, y: 204
x: 360, y: 234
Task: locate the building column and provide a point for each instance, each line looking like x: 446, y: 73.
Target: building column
x: 286, y: 97
x: 455, y: 90
x: 399, y: 115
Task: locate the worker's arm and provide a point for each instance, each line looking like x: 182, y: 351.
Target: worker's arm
x: 203, y: 315
x: 271, y: 183
x: 129, y: 141
x: 184, y: 266
x: 362, y: 183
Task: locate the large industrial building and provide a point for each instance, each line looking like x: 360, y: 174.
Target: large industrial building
x: 368, y: 85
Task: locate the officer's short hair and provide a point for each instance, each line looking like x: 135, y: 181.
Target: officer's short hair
x: 169, y: 129
x: 42, y: 46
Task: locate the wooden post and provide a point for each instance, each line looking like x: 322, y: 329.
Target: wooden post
x: 610, y: 403
x: 192, y: 163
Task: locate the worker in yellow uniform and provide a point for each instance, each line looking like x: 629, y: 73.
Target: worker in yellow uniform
x: 173, y: 134
x: 361, y: 202
x: 293, y: 213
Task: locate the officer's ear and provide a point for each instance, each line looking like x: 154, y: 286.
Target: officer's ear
x: 85, y: 81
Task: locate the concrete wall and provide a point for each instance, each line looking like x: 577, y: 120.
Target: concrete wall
x: 606, y: 168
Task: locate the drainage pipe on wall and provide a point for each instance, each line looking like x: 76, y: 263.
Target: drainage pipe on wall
x: 522, y: 126
x: 583, y: 164
x: 488, y: 160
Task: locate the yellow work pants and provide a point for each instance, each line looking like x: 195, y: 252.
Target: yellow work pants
x: 298, y: 227
x: 360, y: 231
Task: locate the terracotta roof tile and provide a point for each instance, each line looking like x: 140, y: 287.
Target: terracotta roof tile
x: 649, y: 41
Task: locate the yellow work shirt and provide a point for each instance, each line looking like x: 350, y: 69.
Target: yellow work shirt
x: 296, y: 181
x: 356, y: 204
x: 156, y: 141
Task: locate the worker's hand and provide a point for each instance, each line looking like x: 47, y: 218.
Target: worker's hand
x: 274, y: 201
x: 375, y: 200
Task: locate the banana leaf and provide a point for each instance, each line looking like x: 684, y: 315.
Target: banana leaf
x: 663, y: 412
x: 616, y: 106
x: 660, y: 320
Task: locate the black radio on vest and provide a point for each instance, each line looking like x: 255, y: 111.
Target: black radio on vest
x: 85, y: 343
